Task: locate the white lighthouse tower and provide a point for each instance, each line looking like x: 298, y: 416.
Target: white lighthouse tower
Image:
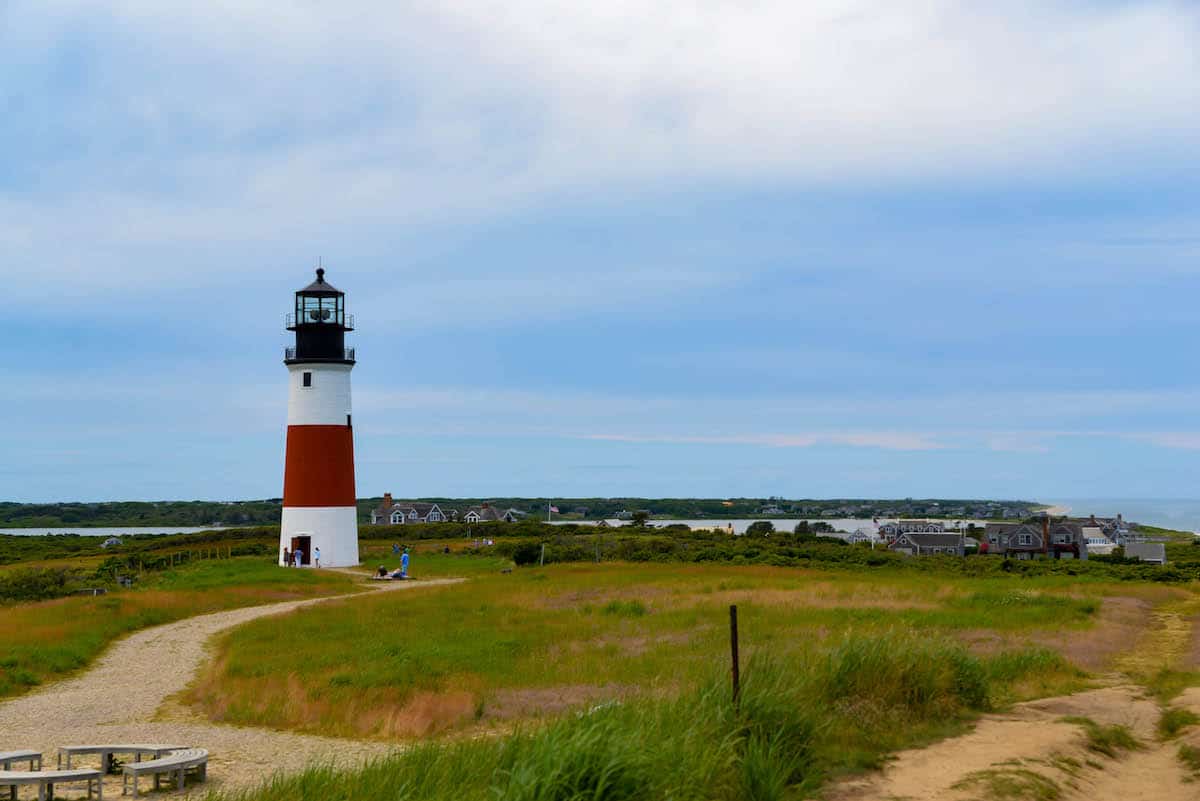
x: 318, y: 479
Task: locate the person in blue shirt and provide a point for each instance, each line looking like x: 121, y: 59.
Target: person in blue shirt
x: 404, y: 564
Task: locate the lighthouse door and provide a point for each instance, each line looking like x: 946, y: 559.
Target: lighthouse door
x: 304, y: 545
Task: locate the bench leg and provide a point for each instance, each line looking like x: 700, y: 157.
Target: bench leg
x: 180, y: 786
x: 99, y: 789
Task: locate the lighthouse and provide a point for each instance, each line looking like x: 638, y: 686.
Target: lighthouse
x: 319, y: 508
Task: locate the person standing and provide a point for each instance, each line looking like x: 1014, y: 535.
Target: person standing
x: 317, y: 555
x: 287, y: 557
x: 298, y: 555
x: 404, y: 564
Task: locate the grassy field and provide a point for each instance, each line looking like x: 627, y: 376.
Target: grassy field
x: 51, y: 639
x: 536, y: 642
x: 610, y: 682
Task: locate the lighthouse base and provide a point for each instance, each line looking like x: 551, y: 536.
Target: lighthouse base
x: 333, y: 529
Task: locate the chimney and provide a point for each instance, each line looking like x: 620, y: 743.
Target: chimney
x: 484, y: 505
x: 387, y: 500
x: 1093, y: 519
x: 1046, y: 534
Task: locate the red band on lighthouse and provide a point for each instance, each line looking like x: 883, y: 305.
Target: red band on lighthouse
x: 320, y: 466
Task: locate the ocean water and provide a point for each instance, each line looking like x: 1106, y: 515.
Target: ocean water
x: 1182, y: 514
x: 109, y: 531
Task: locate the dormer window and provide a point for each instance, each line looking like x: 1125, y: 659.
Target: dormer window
x: 397, y: 517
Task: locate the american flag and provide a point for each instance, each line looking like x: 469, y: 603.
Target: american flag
x: 555, y: 510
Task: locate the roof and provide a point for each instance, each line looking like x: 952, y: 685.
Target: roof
x: 422, y: 509
x: 926, y: 539
x: 487, y: 512
x: 1147, y: 551
x: 320, y: 287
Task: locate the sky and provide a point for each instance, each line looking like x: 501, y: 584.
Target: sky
x: 838, y: 248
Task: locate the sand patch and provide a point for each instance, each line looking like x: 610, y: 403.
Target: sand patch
x: 1033, y: 741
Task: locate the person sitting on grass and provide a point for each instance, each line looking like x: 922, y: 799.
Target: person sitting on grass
x: 382, y: 571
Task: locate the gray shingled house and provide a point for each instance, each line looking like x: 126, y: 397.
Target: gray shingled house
x: 916, y: 543
x: 1046, y: 539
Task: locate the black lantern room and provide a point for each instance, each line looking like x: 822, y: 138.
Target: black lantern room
x: 320, y: 322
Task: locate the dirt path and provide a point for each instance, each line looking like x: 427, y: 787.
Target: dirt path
x: 119, y: 699
x: 1032, y: 753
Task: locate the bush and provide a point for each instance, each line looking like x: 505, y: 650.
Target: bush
x: 760, y: 528
x: 38, y: 583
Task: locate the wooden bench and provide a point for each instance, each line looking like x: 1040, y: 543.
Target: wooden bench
x: 177, y: 763
x: 46, y: 779
x: 9, y: 757
x: 138, y: 750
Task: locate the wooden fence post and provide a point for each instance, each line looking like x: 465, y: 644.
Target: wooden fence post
x: 733, y: 649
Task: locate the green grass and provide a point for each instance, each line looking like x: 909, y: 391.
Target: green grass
x: 49, y: 640
x: 1108, y: 740
x: 800, y: 722
x: 1011, y: 784
x: 538, y: 641
x: 1174, y: 720
x: 1189, y: 755
x: 1166, y: 683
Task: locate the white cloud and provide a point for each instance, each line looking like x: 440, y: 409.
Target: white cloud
x: 228, y: 121
x: 884, y: 440
x: 1184, y: 440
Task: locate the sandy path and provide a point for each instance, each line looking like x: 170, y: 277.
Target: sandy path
x: 116, y: 700
x: 1032, y: 743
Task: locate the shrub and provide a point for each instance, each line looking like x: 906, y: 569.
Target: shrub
x: 1175, y: 720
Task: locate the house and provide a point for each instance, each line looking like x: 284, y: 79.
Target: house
x: 861, y: 535
x: 1153, y: 552
x: 395, y: 513
x: 771, y: 509
x: 111, y: 542
x: 1045, y: 539
x: 1097, y: 543
x: 916, y: 543
x: 486, y: 512
x: 898, y: 527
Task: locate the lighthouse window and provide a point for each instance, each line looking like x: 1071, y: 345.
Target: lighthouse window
x: 308, y: 379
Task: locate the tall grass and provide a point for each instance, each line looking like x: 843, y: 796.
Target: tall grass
x: 798, y: 724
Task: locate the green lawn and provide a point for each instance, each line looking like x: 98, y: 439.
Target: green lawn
x: 48, y: 640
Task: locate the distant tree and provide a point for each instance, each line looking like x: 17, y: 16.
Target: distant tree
x: 640, y: 518
x: 802, y: 528
x: 760, y: 528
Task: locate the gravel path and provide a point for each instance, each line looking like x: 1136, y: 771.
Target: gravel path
x: 125, y: 697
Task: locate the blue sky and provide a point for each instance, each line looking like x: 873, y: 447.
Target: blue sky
x: 838, y: 248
